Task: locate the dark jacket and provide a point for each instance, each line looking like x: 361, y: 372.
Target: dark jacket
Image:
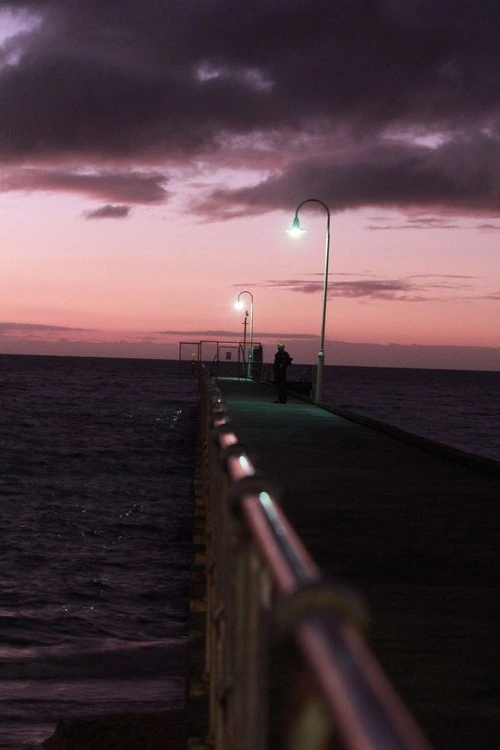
x: 281, y: 361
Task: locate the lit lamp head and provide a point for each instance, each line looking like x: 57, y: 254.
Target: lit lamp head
x: 296, y: 230
x: 239, y: 305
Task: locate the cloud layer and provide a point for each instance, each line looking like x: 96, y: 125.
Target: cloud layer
x: 411, y: 288
x: 392, y: 103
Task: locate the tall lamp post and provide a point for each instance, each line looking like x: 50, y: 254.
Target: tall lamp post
x: 296, y: 230
x: 239, y: 305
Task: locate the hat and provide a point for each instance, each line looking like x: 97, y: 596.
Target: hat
x: 281, y: 346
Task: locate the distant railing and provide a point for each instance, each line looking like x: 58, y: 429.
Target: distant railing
x: 287, y: 665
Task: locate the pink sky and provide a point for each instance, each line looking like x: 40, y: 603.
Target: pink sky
x: 114, y: 251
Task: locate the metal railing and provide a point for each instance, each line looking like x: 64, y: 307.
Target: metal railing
x: 286, y: 661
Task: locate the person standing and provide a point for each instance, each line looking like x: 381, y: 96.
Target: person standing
x: 282, y: 361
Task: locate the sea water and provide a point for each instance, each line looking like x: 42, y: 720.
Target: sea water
x: 96, y: 470
x: 459, y: 408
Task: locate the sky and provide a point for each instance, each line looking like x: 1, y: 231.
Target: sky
x: 153, y: 155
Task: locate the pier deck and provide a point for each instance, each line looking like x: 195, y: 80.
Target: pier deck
x: 413, y: 531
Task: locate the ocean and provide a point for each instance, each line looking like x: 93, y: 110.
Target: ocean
x: 96, y: 493
x: 459, y: 408
x: 96, y: 471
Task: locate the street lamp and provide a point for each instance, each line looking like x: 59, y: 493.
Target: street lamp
x: 239, y: 305
x: 296, y: 230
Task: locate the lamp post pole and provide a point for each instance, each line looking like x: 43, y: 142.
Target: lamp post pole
x: 297, y: 229
x: 245, y: 323
x: 250, y: 357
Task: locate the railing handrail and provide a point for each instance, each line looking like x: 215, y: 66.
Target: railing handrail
x: 324, y: 619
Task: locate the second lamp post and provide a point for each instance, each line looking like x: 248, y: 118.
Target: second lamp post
x: 239, y: 304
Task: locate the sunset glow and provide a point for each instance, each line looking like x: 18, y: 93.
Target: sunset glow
x: 151, y: 167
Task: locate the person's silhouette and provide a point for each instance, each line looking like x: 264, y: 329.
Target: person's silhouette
x: 282, y: 360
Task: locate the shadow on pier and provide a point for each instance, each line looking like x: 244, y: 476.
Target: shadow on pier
x: 410, y: 526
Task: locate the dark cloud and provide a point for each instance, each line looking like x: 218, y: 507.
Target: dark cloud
x: 393, y: 223
x: 109, y: 212
x: 236, y: 335
x: 413, y: 222
x: 488, y: 227
x: 369, y: 103
x: 124, y: 186
x: 217, y: 333
x: 457, y: 176
x: 413, y: 288
x: 28, y: 328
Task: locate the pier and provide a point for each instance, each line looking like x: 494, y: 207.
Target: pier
x: 401, y: 550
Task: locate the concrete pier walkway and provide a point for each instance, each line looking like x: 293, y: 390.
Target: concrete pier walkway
x: 415, y: 532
